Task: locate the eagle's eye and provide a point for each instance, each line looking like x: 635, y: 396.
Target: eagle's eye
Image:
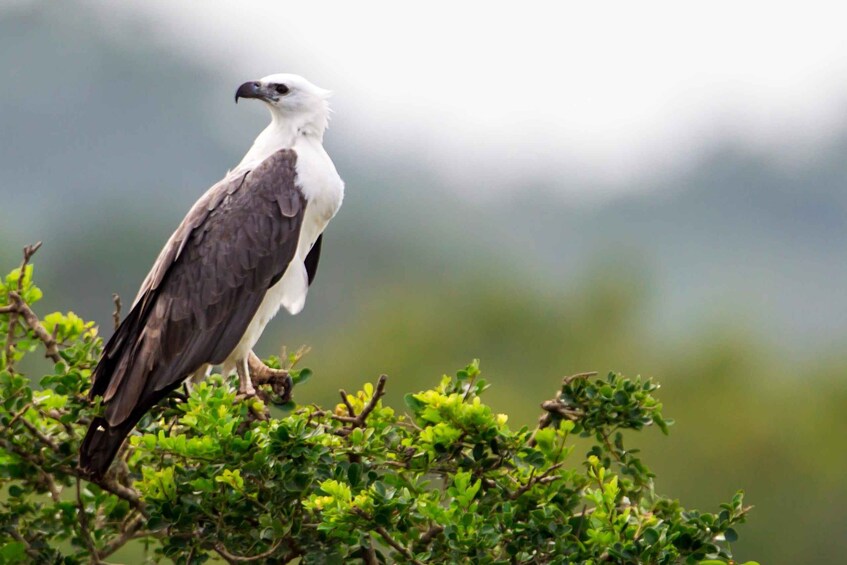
x: 281, y: 89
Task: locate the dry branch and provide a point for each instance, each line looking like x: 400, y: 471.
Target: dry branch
x: 358, y: 421
x: 116, y: 315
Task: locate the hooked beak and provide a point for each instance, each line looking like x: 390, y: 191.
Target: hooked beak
x: 250, y: 90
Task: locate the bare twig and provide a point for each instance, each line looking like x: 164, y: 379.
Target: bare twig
x: 55, y: 415
x: 17, y: 415
x: 18, y: 537
x: 116, y: 315
x: 346, y: 402
x: 433, y: 532
x: 585, y: 375
x: 560, y: 409
x: 233, y: 558
x: 29, y: 251
x: 41, y: 437
x: 298, y: 355
x: 13, y: 310
x: 23, y: 309
x: 387, y: 537
x: 369, y: 554
x: 542, y: 479
x: 130, y: 531
x: 396, y: 545
x: 10, y: 335
x: 358, y: 421
x: 55, y: 491
x: 121, y: 491
x: 555, y: 406
x: 468, y: 391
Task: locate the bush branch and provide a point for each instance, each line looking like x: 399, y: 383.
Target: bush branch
x: 383, y: 533
x: 130, y: 531
x: 555, y: 406
x: 13, y: 310
x: 358, y: 421
x: 233, y: 558
x: 21, y: 308
x: 116, y: 315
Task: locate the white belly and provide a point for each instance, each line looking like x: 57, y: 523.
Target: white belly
x: 324, y: 191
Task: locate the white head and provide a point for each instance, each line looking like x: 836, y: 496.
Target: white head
x: 292, y: 100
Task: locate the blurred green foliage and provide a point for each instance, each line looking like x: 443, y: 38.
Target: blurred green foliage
x: 753, y: 415
x: 209, y: 475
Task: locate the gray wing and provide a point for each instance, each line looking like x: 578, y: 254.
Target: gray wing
x: 205, y: 287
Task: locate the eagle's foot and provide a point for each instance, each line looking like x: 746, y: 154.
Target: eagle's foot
x: 260, y: 374
x: 246, y: 394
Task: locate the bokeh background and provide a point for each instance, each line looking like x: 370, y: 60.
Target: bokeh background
x: 653, y: 188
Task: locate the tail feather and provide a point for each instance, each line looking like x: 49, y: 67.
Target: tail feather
x: 103, y: 440
x: 101, y: 445
x: 126, y: 399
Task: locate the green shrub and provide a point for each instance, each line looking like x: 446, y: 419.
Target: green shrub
x: 208, y: 476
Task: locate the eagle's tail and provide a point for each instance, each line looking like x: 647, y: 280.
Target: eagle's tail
x: 102, y: 443
x: 102, y: 440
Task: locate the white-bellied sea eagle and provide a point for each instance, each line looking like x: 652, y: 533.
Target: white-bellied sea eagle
x: 249, y: 245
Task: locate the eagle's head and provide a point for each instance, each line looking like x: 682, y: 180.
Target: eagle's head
x: 290, y: 98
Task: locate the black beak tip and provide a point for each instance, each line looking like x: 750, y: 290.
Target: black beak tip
x: 248, y: 90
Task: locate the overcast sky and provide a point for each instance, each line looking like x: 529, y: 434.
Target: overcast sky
x: 615, y: 92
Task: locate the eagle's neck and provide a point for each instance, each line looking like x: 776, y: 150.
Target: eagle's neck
x: 284, y: 132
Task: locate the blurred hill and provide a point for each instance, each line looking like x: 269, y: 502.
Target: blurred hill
x: 725, y: 282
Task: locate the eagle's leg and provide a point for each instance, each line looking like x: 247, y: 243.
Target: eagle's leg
x: 261, y: 374
x: 245, y: 383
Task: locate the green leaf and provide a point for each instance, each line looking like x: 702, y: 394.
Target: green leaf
x: 650, y: 536
x: 13, y: 552
x: 301, y: 376
x: 413, y: 403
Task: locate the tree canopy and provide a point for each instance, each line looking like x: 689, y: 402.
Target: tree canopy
x: 209, y: 476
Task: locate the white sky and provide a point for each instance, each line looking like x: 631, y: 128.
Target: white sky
x: 613, y: 92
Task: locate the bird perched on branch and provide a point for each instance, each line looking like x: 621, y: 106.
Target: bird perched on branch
x: 249, y: 245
